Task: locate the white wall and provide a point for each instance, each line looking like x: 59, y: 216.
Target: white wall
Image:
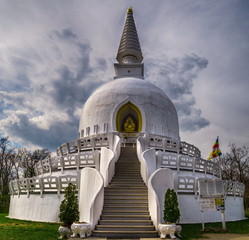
x: 190, y: 210
x: 36, y: 208
x: 91, y: 195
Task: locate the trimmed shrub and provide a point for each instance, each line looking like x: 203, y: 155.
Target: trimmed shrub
x: 69, y: 208
x: 171, y: 209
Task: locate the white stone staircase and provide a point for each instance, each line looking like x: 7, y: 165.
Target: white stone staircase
x: 125, y: 213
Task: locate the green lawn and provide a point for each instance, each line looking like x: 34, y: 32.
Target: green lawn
x: 11, y: 229
x: 191, y: 231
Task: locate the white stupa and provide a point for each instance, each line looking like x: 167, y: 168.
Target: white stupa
x: 128, y: 153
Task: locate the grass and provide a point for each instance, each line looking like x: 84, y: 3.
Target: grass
x: 11, y: 229
x: 192, y: 231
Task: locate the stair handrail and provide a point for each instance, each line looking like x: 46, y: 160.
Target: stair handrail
x: 148, y: 164
x: 91, y: 183
x: 108, y: 159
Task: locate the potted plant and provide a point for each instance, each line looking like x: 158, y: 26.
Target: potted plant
x: 69, y: 211
x: 171, y: 216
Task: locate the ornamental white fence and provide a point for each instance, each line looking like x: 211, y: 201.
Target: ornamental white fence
x: 163, y: 143
x: 73, y: 161
x: 57, y: 185
x: 189, y: 184
x: 186, y: 162
x: 84, y: 144
x: 42, y: 185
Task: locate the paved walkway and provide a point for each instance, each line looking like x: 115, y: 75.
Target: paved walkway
x: 208, y: 236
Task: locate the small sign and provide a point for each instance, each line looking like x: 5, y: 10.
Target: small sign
x: 207, y: 204
x: 220, y: 204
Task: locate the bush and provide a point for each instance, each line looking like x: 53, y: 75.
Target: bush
x: 171, y: 209
x: 69, y: 208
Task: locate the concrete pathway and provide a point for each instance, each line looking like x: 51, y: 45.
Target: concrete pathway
x: 208, y: 236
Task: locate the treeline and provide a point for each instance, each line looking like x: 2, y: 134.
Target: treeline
x: 16, y: 163
x: 235, y: 166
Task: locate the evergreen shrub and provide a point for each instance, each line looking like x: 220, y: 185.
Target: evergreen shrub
x: 171, y: 209
x: 69, y: 208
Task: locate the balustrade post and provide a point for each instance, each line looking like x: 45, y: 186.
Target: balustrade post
x: 50, y: 164
x: 58, y: 185
x: 41, y: 186
x: 178, y: 163
x: 62, y: 164
x: 68, y: 151
x: 77, y: 159
x: 96, y: 157
x: 18, y: 187
x: 194, y: 161
x: 28, y: 187
x: 78, y: 145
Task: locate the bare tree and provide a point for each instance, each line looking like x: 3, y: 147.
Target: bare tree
x: 24, y: 162
x: 6, y: 153
x: 235, y: 164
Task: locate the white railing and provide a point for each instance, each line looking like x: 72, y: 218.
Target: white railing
x: 84, y: 144
x: 163, y: 143
x: 41, y: 185
x: 186, y: 162
x: 188, y: 184
x: 78, y: 161
x: 190, y: 150
x: 70, y: 161
x: 171, y: 145
x: 234, y: 188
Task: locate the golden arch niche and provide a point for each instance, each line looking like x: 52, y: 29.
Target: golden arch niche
x: 129, y: 119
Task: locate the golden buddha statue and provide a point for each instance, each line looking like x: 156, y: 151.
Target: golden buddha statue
x: 129, y: 125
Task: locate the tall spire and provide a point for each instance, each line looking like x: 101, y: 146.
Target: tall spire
x: 129, y: 47
x: 129, y: 54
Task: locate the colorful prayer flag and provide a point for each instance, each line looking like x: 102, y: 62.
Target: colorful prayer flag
x: 216, y: 150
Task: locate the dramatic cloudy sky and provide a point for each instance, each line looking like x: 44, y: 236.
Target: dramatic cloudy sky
x: 53, y: 54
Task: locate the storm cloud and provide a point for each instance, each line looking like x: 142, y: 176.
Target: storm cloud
x: 55, y: 53
x: 176, y: 77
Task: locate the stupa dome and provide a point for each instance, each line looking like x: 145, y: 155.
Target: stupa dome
x: 149, y: 107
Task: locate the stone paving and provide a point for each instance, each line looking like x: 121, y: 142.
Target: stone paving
x: 209, y: 236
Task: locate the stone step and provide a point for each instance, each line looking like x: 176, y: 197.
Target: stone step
x: 133, y: 188
x: 125, y: 234
x: 127, y: 181
x: 128, y: 173
x: 126, y: 222
x: 119, y: 202
x: 125, y: 194
x: 125, y: 217
x: 131, y: 171
x: 126, y: 185
x: 126, y: 198
x: 125, y: 190
x: 124, y: 228
x: 128, y: 208
x: 125, y: 212
x: 127, y: 165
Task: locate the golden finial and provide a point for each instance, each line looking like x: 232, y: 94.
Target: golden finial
x: 129, y: 10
